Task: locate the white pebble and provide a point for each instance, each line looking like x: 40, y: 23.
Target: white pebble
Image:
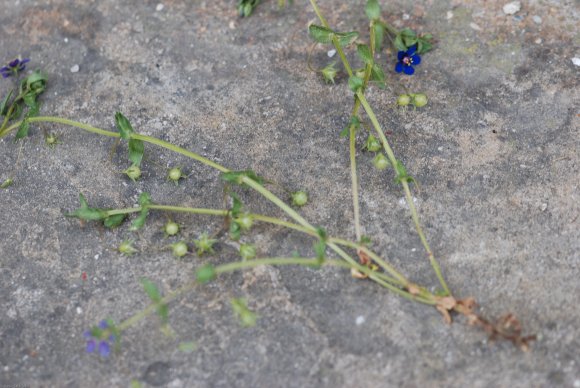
x: 65, y: 40
x: 449, y: 15
x: 475, y: 26
x: 538, y: 41
x: 159, y: 7
x: 79, y: 310
x: 577, y: 383
x: 331, y: 53
x: 537, y: 19
x: 75, y: 69
x: 512, y: 8
x: 576, y: 61
x: 406, y: 16
x: 360, y: 320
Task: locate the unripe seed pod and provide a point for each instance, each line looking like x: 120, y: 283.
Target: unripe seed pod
x: 373, y: 144
x: 179, y: 249
x: 133, y: 172
x: 171, y: 228
x: 381, y: 162
x: 174, y: 174
x: 247, y: 251
x: 299, y: 198
x: 403, y: 100
x: 245, y: 222
x: 420, y: 100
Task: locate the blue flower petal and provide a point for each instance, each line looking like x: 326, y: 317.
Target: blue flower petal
x: 14, y: 63
x: 411, y: 50
x: 25, y: 60
x: 104, y: 348
x: 408, y: 70
x: 400, y: 55
x: 5, y: 75
x: 103, y: 324
x: 399, y: 67
x: 91, y: 346
x: 416, y: 59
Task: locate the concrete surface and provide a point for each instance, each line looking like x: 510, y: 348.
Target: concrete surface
x: 496, y: 153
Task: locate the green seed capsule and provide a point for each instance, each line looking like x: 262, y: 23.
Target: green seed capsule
x: 133, y: 172
x: 403, y: 100
x: 420, y: 100
x: 6, y: 183
x: 373, y: 144
x: 247, y: 251
x: 245, y: 222
x: 381, y: 162
x: 126, y: 248
x: 174, y: 174
x: 299, y: 198
x: 179, y: 249
x: 171, y: 228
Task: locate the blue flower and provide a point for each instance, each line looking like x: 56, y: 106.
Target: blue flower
x: 407, y: 59
x: 14, y: 67
x: 93, y: 338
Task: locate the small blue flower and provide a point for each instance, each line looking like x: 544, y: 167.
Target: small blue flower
x: 104, y: 346
x: 14, y: 67
x: 407, y: 59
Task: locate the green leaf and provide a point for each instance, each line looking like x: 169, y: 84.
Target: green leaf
x: 408, y: 36
x: 320, y: 250
x: 29, y: 99
x: 236, y: 206
x: 145, y: 199
x: 151, y: 290
x: 364, y: 53
x: 377, y: 73
x: 379, y: 31
x: 365, y: 240
x: 373, y: 9
x: 4, y: 105
x: 355, y: 83
x: 35, y: 82
x: 346, y: 38
x: 237, y: 177
x: 114, y: 220
x: 402, y: 175
x: 235, y: 231
x: 84, y: 212
x: 22, y: 130
x: 7, y: 182
x: 155, y: 296
x: 399, y: 43
x: 136, y: 149
x: 139, y: 222
x: 424, y: 43
x: 354, y: 122
x: 205, y: 274
x: 320, y: 34
x: 124, y: 126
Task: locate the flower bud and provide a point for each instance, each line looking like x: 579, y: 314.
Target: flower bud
x: 126, y: 248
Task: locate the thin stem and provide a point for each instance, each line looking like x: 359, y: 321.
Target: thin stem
x: 277, y: 261
x: 250, y: 182
x: 389, y: 151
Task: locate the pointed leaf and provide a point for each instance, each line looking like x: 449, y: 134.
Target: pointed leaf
x: 373, y: 10
x: 346, y: 38
x: 124, y: 126
x: 4, y: 105
x: 320, y: 34
x: 114, y: 220
x: 136, y: 149
x: 364, y: 53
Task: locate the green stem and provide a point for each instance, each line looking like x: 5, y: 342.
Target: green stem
x: 250, y: 182
x: 278, y: 261
x: 389, y: 151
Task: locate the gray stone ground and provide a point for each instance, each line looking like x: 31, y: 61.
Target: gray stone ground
x: 496, y: 153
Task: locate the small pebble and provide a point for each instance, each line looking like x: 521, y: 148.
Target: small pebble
x: 75, y: 69
x: 537, y: 19
x: 159, y: 7
x: 475, y: 26
x: 449, y: 15
x: 543, y: 207
x: 79, y: 310
x: 576, y: 61
x: 331, y: 53
x: 512, y: 8
x: 406, y: 16
x: 538, y: 41
x: 65, y: 40
x: 360, y: 320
